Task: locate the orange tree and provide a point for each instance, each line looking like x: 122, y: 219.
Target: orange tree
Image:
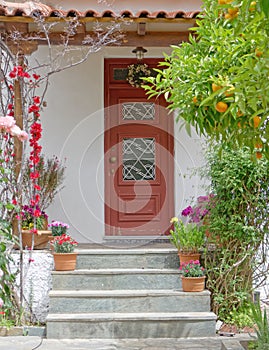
x: 218, y: 81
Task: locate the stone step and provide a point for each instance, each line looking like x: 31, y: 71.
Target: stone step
x: 127, y: 258
x: 106, y: 279
x: 131, y: 325
x: 128, y: 301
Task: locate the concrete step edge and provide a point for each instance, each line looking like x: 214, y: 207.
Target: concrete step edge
x: 123, y: 293
x: 145, y: 316
x: 117, y: 271
x: 108, y: 251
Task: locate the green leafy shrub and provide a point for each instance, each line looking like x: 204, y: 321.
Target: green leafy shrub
x: 238, y: 225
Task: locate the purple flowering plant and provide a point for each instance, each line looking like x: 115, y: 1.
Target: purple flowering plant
x: 58, y: 228
x: 192, y: 269
x: 198, y: 212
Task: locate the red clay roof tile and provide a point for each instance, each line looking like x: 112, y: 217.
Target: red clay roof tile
x: 30, y: 8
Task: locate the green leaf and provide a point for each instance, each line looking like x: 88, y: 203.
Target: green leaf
x: 265, y: 7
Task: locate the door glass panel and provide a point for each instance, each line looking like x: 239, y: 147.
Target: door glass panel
x: 138, y: 159
x: 120, y: 73
x: 138, y: 111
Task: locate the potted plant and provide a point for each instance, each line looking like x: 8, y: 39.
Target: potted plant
x: 188, y: 239
x: 34, y: 226
x: 64, y: 256
x: 193, y: 276
x: 58, y: 228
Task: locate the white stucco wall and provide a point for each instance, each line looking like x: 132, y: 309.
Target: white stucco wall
x: 73, y: 123
x: 37, y: 282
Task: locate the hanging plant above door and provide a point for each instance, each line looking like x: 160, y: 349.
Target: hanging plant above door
x: 137, y: 71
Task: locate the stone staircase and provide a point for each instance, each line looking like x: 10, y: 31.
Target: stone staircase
x: 126, y: 293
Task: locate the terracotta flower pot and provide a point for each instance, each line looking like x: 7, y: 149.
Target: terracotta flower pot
x: 193, y: 284
x: 40, y: 240
x: 65, y: 261
x: 185, y: 258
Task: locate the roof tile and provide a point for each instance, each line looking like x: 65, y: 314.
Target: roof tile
x: 30, y: 9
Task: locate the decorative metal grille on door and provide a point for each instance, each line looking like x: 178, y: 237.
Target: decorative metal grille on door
x: 138, y: 159
x: 138, y: 111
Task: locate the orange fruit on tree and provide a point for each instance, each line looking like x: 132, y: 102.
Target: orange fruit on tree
x: 216, y: 87
x: 228, y: 16
x: 224, y: 2
x: 239, y: 113
x: 258, y: 52
x: 221, y: 107
x: 252, y: 6
x: 233, y: 10
x: 256, y: 121
x: 194, y: 100
x: 229, y: 92
x: 258, y: 155
x: 258, y: 145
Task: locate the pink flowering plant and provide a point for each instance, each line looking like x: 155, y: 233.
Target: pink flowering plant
x: 33, y: 218
x: 192, y: 269
x: 64, y: 244
x: 58, y: 228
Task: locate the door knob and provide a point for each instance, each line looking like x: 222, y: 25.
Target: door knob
x: 112, y: 159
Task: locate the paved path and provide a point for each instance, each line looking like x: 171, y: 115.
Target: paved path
x: 36, y: 343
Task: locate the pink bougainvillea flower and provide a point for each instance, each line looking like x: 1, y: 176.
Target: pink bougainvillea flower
x: 34, y: 175
x: 37, y: 213
x: 36, y: 76
x: 33, y: 109
x: 36, y: 99
x: 12, y: 75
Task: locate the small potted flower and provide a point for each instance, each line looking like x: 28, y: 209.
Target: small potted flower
x: 58, y: 228
x: 64, y: 255
x: 193, y: 276
x: 34, y: 225
x: 188, y: 239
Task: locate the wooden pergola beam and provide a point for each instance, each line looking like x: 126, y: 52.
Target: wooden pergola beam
x: 20, y: 19
x: 130, y: 39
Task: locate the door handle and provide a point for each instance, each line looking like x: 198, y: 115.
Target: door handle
x: 112, y: 160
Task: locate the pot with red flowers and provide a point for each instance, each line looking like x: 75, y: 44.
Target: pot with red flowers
x: 193, y: 276
x: 35, y: 233
x: 65, y: 257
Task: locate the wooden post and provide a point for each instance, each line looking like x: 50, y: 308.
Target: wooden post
x: 18, y: 115
x: 19, y: 50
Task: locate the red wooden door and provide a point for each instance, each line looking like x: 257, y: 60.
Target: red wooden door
x: 139, y: 162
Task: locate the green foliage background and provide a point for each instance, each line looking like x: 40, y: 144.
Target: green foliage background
x: 238, y: 228
x: 222, y: 51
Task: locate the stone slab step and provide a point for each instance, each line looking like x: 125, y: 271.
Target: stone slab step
x: 106, y: 279
x: 128, y: 301
x: 131, y: 325
x: 127, y: 258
